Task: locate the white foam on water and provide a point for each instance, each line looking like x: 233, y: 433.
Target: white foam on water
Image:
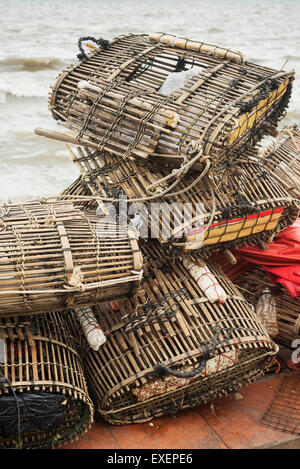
x: 31, y: 64
x: 47, y: 177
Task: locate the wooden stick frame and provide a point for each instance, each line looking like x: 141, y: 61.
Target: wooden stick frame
x: 41, y: 357
x: 112, y: 102
x: 167, y: 322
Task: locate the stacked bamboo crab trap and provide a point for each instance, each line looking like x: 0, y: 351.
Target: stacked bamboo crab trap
x: 54, y: 257
x: 52, y: 266
x: 153, y: 324
x: 173, y: 346
x: 282, y: 157
x: 245, y: 204
x: 253, y: 282
x: 44, y: 400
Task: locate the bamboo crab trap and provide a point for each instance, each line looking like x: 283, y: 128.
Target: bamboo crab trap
x: 252, y: 284
x: 282, y: 158
x: 72, y: 262
x: 121, y: 98
x: 77, y: 189
x: 171, y: 347
x: 44, y: 400
x: 283, y: 412
x: 243, y: 204
x: 36, y: 213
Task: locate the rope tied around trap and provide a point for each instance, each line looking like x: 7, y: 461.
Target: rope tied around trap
x: 104, y: 43
x: 209, y: 350
x: 4, y: 210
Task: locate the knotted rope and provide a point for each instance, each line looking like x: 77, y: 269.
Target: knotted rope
x: 100, y: 42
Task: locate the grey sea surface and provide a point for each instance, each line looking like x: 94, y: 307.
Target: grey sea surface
x: 39, y: 38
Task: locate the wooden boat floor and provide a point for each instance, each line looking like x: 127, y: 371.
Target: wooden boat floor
x: 235, y: 425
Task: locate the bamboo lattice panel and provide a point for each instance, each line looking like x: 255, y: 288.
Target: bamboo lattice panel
x: 77, y: 189
x: 282, y: 158
x: 170, y: 322
x: 75, y: 262
x: 36, y: 213
x: 112, y: 101
x: 41, y: 359
x: 253, y: 282
x: 283, y: 413
x: 244, y: 203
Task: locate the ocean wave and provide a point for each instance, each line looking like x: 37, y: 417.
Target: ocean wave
x: 31, y: 64
x: 295, y: 114
x: 215, y: 30
x: 291, y: 58
x: 24, y: 84
x: 22, y: 91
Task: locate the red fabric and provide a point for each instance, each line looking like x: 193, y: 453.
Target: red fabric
x: 281, y: 261
x: 284, y: 251
x: 232, y: 271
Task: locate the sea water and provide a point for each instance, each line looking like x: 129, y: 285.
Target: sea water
x: 39, y: 37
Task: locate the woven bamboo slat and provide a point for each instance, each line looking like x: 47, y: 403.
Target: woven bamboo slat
x: 41, y: 360
x: 252, y: 284
x: 74, y: 262
x: 36, y: 213
x: 79, y: 188
x: 111, y: 100
x: 170, y: 323
x: 244, y: 203
x: 282, y: 159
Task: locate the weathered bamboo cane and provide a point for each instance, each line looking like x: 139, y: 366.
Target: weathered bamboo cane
x: 170, y: 347
x: 243, y: 203
x: 113, y: 102
x: 67, y: 263
x: 252, y: 284
x: 282, y: 158
x: 44, y: 400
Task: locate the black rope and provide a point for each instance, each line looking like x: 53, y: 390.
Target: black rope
x: 209, y: 349
x: 150, y: 314
x: 263, y: 174
x: 139, y: 70
x: 200, y: 394
x: 181, y: 65
x: 164, y: 369
x: 267, y: 86
x: 242, y: 206
x: 100, y: 42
